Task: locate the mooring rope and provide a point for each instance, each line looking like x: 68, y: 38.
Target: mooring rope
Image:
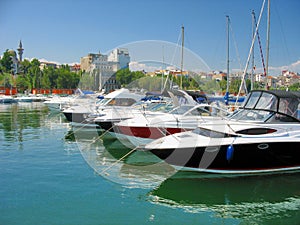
x: 124, y: 156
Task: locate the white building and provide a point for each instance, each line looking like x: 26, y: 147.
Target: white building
x: 260, y: 77
x: 121, y: 57
x: 103, y: 67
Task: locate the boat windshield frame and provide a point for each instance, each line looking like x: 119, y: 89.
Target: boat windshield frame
x: 117, y: 101
x: 270, y: 106
x: 159, y: 107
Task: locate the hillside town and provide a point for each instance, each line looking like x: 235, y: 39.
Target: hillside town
x: 103, y: 67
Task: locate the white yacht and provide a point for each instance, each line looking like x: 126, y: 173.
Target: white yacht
x: 146, y: 127
x: 6, y: 99
x: 80, y: 112
x: 262, y: 137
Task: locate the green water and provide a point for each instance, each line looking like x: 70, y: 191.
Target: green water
x: 53, y: 173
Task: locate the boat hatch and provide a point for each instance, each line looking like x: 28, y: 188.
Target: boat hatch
x: 256, y: 131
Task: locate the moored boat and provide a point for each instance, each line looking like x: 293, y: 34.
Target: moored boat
x: 30, y: 98
x: 4, y: 99
x: 262, y: 137
x: 80, y: 111
x: 57, y: 103
x: 144, y: 128
x: 152, y: 104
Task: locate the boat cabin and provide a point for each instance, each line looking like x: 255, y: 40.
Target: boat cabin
x: 270, y: 106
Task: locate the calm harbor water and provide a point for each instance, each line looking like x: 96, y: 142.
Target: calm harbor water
x: 53, y: 173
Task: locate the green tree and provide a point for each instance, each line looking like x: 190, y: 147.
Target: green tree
x: 6, y: 62
x: 34, y: 73
x: 66, y: 78
x: 6, y: 80
x: 52, y: 75
x: 295, y: 87
x: 62, y: 79
x: 22, y: 83
x: 148, y: 83
x: 45, y: 81
x: 24, y: 66
x: 223, y: 85
x: 35, y: 63
x: 125, y: 76
x: 75, y: 79
x: 86, y: 82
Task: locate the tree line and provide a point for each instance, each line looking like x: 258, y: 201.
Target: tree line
x: 190, y: 82
x: 30, y: 76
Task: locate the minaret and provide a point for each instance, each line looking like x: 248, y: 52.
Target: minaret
x: 20, y: 51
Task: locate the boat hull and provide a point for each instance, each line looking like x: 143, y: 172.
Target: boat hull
x: 7, y: 100
x: 148, y: 132
x: 244, y: 158
x: 140, y: 136
x: 105, y: 125
x: 75, y: 117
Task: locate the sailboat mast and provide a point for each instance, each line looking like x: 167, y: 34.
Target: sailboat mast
x: 228, y: 20
x: 182, y: 46
x: 252, y: 44
x: 268, y: 45
x: 253, y: 30
x: 163, y: 69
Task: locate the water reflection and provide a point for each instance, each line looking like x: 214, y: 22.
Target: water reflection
x: 259, y: 199
x: 19, y: 120
x: 114, y: 161
x: 248, y: 200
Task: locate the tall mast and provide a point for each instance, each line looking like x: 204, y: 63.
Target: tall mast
x: 268, y: 45
x: 163, y: 69
x: 252, y: 44
x: 182, y: 46
x: 226, y: 97
x: 253, y: 30
x: 228, y: 20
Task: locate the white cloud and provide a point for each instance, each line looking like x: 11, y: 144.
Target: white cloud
x: 139, y: 66
x: 296, y: 66
x: 275, y: 70
x: 57, y: 63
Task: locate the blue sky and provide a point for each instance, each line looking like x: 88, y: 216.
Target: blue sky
x: 65, y: 30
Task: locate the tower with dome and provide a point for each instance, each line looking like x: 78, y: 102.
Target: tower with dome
x: 20, y: 51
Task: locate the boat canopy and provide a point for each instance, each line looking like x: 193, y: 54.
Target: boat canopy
x: 278, y: 101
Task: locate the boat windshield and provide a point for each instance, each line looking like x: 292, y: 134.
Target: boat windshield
x: 180, y: 110
x: 117, y: 101
x: 252, y: 115
x: 262, y: 100
x: 269, y: 106
x: 159, y: 107
x: 103, y: 101
x: 200, y: 110
x: 289, y: 107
